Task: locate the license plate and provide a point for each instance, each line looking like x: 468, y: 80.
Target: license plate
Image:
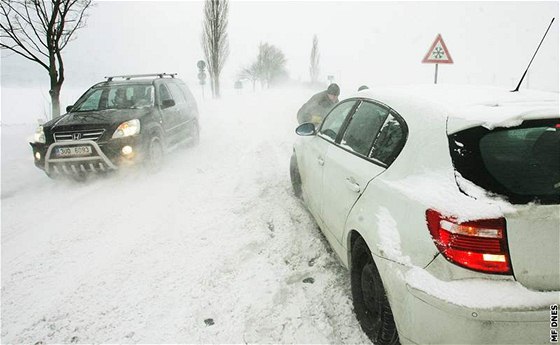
x: 73, y: 151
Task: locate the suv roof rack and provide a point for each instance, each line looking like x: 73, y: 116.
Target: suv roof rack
x: 128, y: 77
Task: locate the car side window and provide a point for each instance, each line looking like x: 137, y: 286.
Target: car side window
x: 178, y: 95
x: 363, y: 128
x: 389, y: 141
x: 164, y: 94
x: 187, y: 93
x: 334, y: 120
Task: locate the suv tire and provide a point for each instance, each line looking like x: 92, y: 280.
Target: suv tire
x: 370, y: 299
x: 195, y: 135
x: 155, y: 154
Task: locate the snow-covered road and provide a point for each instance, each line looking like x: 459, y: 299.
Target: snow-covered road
x: 212, y: 249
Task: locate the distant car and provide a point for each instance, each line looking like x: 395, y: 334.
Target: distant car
x: 125, y: 120
x: 444, y: 204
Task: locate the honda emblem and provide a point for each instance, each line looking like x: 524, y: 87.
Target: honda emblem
x: 76, y: 136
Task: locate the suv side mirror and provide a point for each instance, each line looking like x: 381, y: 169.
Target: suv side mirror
x: 306, y: 129
x: 69, y: 108
x: 167, y: 103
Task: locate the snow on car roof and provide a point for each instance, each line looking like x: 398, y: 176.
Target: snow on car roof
x: 466, y: 105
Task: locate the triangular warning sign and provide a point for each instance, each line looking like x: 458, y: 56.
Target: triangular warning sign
x: 438, y: 52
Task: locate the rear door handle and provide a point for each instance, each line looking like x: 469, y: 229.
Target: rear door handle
x: 321, y: 161
x: 352, y: 185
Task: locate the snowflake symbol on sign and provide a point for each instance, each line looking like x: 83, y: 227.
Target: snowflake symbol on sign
x: 438, y: 53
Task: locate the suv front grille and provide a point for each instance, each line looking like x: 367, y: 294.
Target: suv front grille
x: 92, y: 135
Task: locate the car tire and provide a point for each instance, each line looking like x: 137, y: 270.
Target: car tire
x: 370, y: 299
x: 195, y: 135
x: 295, y: 176
x: 155, y: 154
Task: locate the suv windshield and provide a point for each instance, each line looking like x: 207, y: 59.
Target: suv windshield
x: 520, y: 163
x: 116, y: 97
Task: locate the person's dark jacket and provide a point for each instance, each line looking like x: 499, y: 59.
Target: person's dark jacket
x: 315, y: 109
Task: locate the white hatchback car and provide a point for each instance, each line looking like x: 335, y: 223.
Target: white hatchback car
x: 444, y: 203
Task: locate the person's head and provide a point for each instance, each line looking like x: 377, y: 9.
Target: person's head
x: 333, y: 91
x: 120, y: 94
x: 363, y: 87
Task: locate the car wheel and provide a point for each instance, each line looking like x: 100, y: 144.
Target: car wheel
x: 370, y: 300
x: 195, y: 135
x: 155, y: 154
x: 295, y: 176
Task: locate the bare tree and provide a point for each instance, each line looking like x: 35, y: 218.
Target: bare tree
x: 271, y: 63
x: 39, y: 31
x: 252, y: 73
x: 215, y: 40
x: 314, y: 61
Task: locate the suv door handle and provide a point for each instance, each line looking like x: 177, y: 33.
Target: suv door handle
x: 352, y: 185
x: 320, y: 161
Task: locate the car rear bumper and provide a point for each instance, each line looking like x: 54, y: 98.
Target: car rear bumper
x: 442, y: 322
x: 428, y: 311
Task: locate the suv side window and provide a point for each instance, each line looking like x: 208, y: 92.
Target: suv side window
x: 163, y: 94
x: 334, y: 120
x: 190, y: 98
x: 363, y: 128
x: 390, y: 140
x: 178, y: 95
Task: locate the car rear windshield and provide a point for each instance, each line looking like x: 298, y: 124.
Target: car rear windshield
x: 116, y: 97
x: 521, y: 163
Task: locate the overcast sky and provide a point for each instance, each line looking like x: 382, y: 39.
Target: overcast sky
x: 370, y: 42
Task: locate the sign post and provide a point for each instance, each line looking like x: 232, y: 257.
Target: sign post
x: 437, y: 54
x: 201, y: 74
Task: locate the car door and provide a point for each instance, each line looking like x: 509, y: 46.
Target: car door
x: 168, y: 112
x: 313, y: 155
x: 360, y: 156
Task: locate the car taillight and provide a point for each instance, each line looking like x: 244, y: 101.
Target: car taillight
x: 479, y: 245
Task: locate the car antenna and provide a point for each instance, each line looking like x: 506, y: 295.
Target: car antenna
x: 527, y: 70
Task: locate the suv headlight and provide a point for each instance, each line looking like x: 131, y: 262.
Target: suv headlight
x: 127, y: 129
x: 39, y: 136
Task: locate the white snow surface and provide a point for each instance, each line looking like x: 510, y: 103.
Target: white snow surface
x: 140, y: 258
x: 216, y: 234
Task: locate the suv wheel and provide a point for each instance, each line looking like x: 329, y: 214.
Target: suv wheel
x: 155, y: 154
x: 295, y: 176
x: 370, y: 300
x: 195, y: 135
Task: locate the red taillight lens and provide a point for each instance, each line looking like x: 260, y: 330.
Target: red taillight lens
x: 480, y: 245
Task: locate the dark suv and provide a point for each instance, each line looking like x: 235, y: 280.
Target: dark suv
x: 133, y: 119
